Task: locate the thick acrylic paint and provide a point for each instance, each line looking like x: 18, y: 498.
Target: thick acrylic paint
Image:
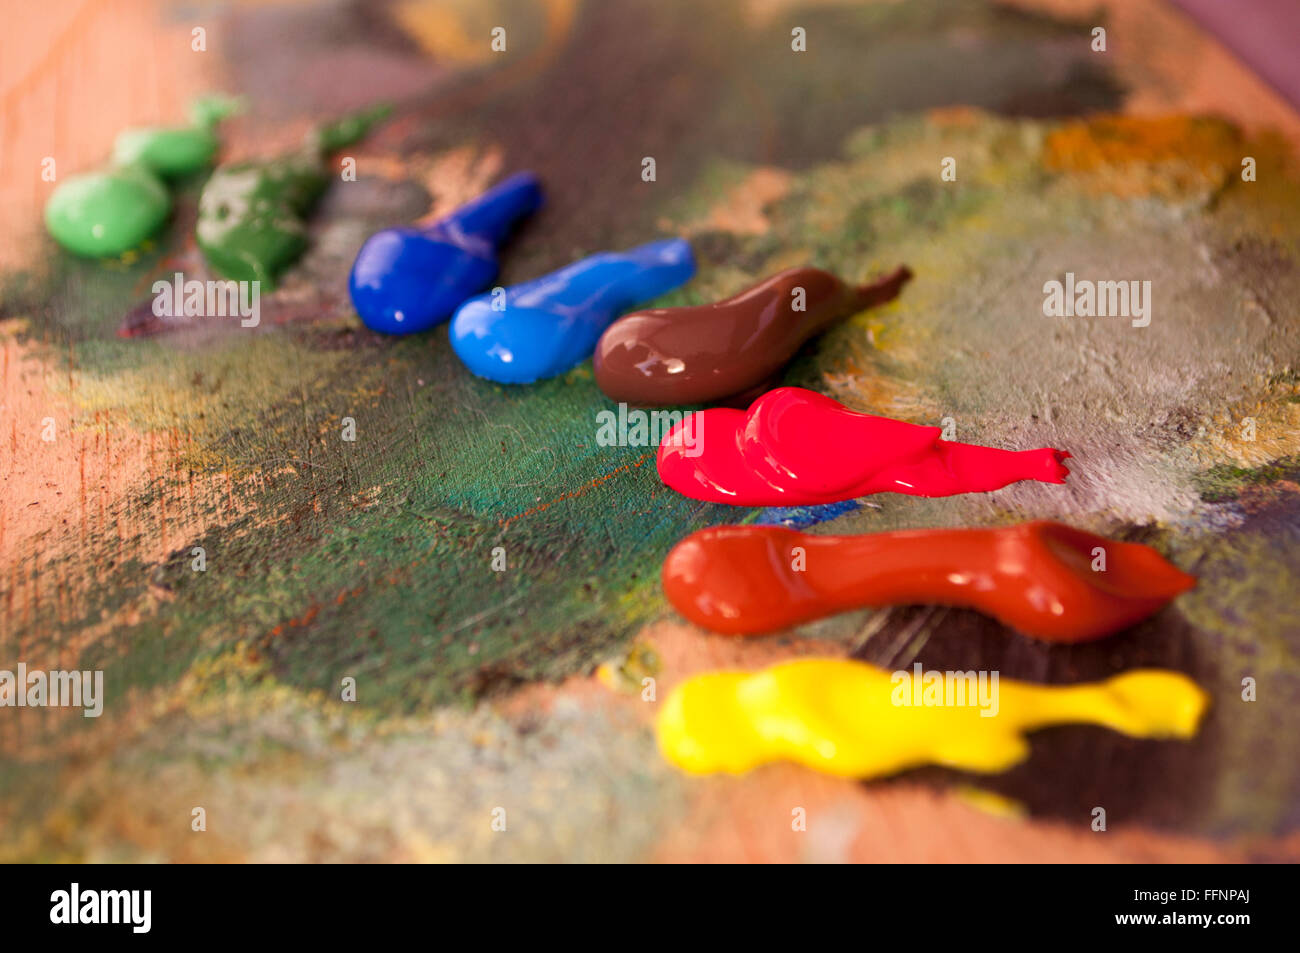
x: 407, y: 280
x: 1043, y: 579
x: 854, y: 720
x: 712, y: 352
x: 251, y: 214
x: 547, y: 326
x: 796, y: 447
x: 174, y: 151
x: 111, y: 211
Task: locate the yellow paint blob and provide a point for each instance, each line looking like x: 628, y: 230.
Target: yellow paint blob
x: 848, y: 718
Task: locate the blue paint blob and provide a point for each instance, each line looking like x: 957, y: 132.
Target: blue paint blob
x: 552, y: 323
x: 407, y: 280
x: 801, y: 517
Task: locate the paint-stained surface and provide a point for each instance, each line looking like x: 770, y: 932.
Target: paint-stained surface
x: 372, y: 559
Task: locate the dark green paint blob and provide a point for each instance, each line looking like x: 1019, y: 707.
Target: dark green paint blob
x: 110, y: 211
x: 252, y: 214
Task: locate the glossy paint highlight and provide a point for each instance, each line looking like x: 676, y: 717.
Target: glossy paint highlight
x: 549, y: 325
x: 409, y: 279
x: 712, y: 352
x: 796, y: 447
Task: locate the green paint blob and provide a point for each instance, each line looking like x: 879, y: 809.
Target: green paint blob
x: 252, y: 214
x: 106, y: 213
x: 113, y: 210
x: 177, y: 150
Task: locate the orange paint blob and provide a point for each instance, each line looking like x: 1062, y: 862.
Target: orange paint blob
x: 1043, y: 579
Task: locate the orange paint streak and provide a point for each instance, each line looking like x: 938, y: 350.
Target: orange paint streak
x: 589, y: 485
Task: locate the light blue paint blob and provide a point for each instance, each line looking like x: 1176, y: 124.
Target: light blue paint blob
x: 552, y: 323
x: 407, y: 280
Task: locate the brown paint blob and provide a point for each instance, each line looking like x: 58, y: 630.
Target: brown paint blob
x: 712, y: 352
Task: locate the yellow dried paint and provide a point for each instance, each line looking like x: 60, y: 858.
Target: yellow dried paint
x: 1135, y: 156
x: 841, y: 717
x: 1118, y: 140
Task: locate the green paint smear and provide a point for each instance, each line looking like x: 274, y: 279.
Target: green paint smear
x: 425, y: 620
x: 1248, y: 629
x: 1225, y: 482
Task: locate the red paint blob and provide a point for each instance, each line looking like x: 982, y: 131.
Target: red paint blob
x: 1037, y: 578
x: 795, y: 447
